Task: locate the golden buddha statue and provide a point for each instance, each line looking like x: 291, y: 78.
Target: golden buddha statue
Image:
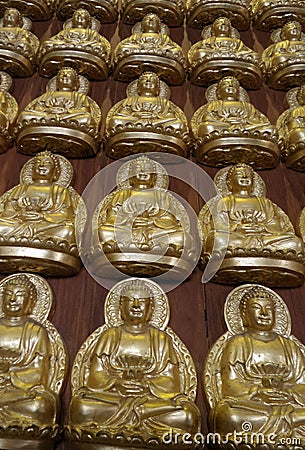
x: 78, y: 45
x: 35, y: 9
x: 149, y: 48
x: 37, y: 219
x: 170, y: 12
x: 106, y: 11
x: 8, y: 112
x: 140, y: 228
x: 200, y: 13
x: 254, y: 373
x: 268, y: 15
x: 64, y: 119
x: 133, y: 376
x: 229, y: 129
x: 32, y: 364
x: 221, y: 53
x: 146, y: 121
x: 18, y: 46
x: 291, y: 129
x: 253, y: 235
x: 283, y: 61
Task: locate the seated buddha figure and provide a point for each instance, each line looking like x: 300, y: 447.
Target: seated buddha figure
x: 32, y: 361
x: 291, y: 129
x: 149, y: 48
x: 268, y: 15
x: 283, y: 61
x: 8, y: 112
x: 229, y: 129
x: 221, y: 53
x: 260, y: 368
x: 141, y: 220
x: 130, y: 379
x: 146, y: 121
x: 78, y: 45
x: 35, y: 9
x: 64, y: 119
x: 39, y: 215
x: 18, y: 46
x: 253, y: 235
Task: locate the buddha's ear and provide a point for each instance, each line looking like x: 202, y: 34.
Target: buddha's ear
x: 151, y: 307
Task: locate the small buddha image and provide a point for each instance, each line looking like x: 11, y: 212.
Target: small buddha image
x: 268, y: 15
x: 142, y: 228
x: 170, y: 12
x: 146, y: 121
x: 253, y: 235
x: 18, y: 46
x: 78, y: 45
x: 35, y: 9
x: 283, y: 61
x: 37, y: 219
x: 291, y: 129
x: 202, y: 13
x: 221, y: 53
x: 8, y: 112
x: 64, y: 119
x: 229, y: 129
x: 133, y: 376
x: 149, y: 48
x: 32, y: 363
x: 255, y: 371
x: 106, y: 11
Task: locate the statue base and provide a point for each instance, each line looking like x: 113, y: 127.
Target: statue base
x: 209, y: 71
x: 169, y: 11
x: 15, y: 437
x: 72, y: 143
x: 35, y: 10
x: 276, y: 15
x: 132, y: 66
x: 84, y: 63
x: 19, y: 66
x: 106, y: 11
x: 127, y: 143
x: 25, y: 444
x: 226, y: 150
x: 200, y: 13
x: 285, y: 76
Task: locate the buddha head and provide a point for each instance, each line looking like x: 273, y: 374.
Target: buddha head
x: 12, y: 18
x: 151, y: 24
x: 228, y: 89
x: 301, y: 95
x: 46, y: 167
x: 136, y: 304
x: 81, y: 19
x: 292, y: 31
x: 148, y: 85
x: 142, y: 173
x: 240, y: 179
x: 19, y: 296
x: 221, y: 27
x: 67, y: 80
x: 257, y: 309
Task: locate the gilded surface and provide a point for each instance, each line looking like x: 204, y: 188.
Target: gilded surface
x: 34, y: 9
x: 141, y: 228
x: 253, y: 234
x: 133, y: 376
x: 170, y: 12
x: 18, y: 46
x: 283, y: 61
x: 32, y: 359
x: 146, y: 121
x: 8, y: 112
x: 267, y: 15
x: 78, y: 45
x: 65, y: 114
x: 229, y: 129
x: 200, y: 13
x: 104, y: 10
x: 222, y: 52
x: 256, y: 371
x: 37, y: 219
x: 149, y: 48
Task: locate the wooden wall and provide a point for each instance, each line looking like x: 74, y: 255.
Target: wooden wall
x: 196, y: 308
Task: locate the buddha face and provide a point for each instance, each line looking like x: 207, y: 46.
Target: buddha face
x: 259, y: 314
x: 43, y: 168
x: 292, y: 31
x: 228, y: 89
x: 221, y: 27
x: 149, y: 85
x: 143, y: 177
x: 16, y: 300
x: 67, y: 80
x: 241, y: 179
x: 12, y: 18
x: 136, y: 307
x: 151, y: 24
x: 81, y: 19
